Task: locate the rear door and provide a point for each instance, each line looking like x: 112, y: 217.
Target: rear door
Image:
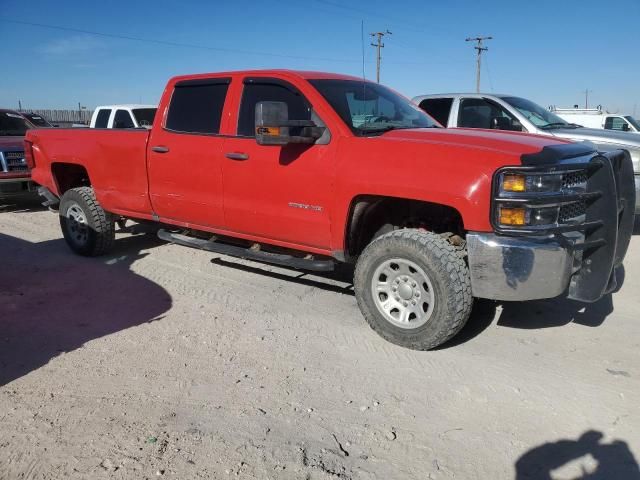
x: 185, y: 150
x: 438, y: 108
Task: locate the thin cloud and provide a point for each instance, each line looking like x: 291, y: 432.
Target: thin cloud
x: 72, y: 46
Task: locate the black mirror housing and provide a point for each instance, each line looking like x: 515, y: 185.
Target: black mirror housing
x: 273, y: 126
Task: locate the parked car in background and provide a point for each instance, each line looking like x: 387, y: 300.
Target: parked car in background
x: 15, y: 177
x: 596, y: 118
x: 38, y: 121
x: 312, y: 169
x: 123, y: 116
x: 511, y: 113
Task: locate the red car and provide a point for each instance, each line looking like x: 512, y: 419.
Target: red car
x: 14, y: 172
x: 311, y: 169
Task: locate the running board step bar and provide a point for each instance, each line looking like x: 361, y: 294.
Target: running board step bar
x: 247, y: 253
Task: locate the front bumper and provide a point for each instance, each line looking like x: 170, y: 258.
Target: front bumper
x: 511, y: 268
x: 580, y: 259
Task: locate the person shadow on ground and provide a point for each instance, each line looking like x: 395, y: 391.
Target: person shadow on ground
x: 587, y: 457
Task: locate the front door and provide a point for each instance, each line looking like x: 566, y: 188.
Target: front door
x: 185, y: 178
x: 277, y: 192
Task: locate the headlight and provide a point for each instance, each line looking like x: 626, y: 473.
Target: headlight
x: 534, y: 183
x: 536, y: 200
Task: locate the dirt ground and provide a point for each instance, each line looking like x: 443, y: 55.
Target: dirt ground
x: 160, y: 361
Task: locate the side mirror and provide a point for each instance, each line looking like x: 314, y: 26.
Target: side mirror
x: 273, y: 126
x: 625, y: 127
x: 501, y: 123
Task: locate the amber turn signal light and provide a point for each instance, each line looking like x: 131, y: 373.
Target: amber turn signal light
x: 513, y: 216
x: 514, y: 183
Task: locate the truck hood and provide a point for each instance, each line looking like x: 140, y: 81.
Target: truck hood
x: 13, y: 143
x: 510, y: 143
x: 597, y: 136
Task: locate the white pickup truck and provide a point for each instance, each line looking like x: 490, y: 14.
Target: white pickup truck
x: 597, y: 118
x: 508, y: 112
x: 123, y: 116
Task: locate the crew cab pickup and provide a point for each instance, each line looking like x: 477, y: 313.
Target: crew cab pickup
x: 511, y: 113
x: 123, y: 116
x: 308, y: 169
x: 14, y: 172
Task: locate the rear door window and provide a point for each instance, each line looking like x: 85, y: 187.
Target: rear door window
x: 102, y: 120
x: 438, y: 108
x: 196, y: 106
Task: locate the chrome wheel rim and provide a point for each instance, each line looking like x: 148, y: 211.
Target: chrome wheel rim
x: 77, y: 224
x: 403, y: 293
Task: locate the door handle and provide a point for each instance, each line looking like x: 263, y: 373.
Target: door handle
x: 237, y: 156
x: 160, y: 149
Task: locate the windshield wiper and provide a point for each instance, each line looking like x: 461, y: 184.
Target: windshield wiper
x: 557, y: 125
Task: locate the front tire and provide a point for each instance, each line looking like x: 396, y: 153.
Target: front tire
x: 87, y: 228
x: 413, y: 288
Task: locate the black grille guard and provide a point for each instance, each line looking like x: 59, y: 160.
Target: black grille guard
x: 609, y: 216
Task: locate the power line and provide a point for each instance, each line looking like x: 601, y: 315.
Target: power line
x: 379, y: 45
x: 174, y: 44
x: 480, y: 48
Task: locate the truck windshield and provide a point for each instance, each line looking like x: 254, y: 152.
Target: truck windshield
x: 144, y: 116
x: 537, y: 115
x: 12, y: 125
x: 633, y: 122
x: 371, y: 109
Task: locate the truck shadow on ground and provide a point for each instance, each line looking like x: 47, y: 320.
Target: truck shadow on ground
x: 27, y: 202
x: 341, y: 281
x: 54, y: 302
x: 585, y: 458
x: 555, y: 312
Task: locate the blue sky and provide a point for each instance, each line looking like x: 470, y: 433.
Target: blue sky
x: 548, y: 51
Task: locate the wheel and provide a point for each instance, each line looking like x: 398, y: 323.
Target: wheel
x: 87, y: 228
x: 413, y: 288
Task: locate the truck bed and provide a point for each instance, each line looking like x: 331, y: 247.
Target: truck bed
x: 101, y: 152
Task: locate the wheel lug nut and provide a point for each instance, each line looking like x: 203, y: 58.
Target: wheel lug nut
x: 414, y: 302
x: 405, y: 304
x: 413, y: 284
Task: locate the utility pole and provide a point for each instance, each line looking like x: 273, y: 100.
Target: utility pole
x: 19, y: 106
x: 586, y: 97
x: 480, y: 48
x: 378, y: 46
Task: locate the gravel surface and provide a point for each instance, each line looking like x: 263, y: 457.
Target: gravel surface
x: 162, y: 361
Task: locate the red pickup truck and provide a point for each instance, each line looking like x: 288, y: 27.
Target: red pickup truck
x: 309, y: 169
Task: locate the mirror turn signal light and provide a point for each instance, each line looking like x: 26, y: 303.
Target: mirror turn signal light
x: 514, y: 183
x: 513, y: 216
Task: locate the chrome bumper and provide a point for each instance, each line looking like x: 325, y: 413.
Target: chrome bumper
x: 517, y: 268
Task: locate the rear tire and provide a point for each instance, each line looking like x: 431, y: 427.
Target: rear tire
x: 413, y: 288
x: 87, y: 228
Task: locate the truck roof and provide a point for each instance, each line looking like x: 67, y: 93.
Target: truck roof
x: 304, y: 74
x: 466, y: 94
x: 129, y: 106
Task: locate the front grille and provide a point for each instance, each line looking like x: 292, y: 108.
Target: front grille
x: 572, y: 211
x: 14, y: 162
x: 574, y: 179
